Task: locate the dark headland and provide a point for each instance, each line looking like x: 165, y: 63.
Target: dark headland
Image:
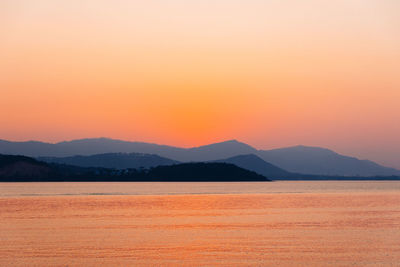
x: 26, y: 169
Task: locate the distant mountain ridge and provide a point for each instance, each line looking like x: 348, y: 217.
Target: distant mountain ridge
x: 113, y: 160
x: 298, y: 159
x: 85, y: 147
x: 316, y: 160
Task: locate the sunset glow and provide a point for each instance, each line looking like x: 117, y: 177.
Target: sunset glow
x: 187, y: 73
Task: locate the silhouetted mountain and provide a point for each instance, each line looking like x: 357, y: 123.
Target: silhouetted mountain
x: 25, y: 169
x: 105, y: 145
x: 300, y: 159
x: 113, y: 160
x: 258, y: 165
x: 321, y: 161
x: 83, y: 147
x: 218, y: 151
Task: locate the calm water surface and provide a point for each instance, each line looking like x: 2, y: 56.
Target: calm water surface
x: 200, y: 224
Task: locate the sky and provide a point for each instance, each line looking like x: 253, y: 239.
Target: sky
x: 187, y: 73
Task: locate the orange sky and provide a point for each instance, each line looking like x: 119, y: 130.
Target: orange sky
x: 269, y: 73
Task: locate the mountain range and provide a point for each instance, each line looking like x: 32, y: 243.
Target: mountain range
x: 284, y: 161
x: 139, y: 160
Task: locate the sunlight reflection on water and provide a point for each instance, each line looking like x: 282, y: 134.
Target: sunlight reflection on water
x: 192, y: 224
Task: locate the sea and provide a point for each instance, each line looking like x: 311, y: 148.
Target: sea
x: 296, y: 223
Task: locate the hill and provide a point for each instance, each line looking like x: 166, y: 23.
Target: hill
x: 21, y: 166
x: 205, y: 172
